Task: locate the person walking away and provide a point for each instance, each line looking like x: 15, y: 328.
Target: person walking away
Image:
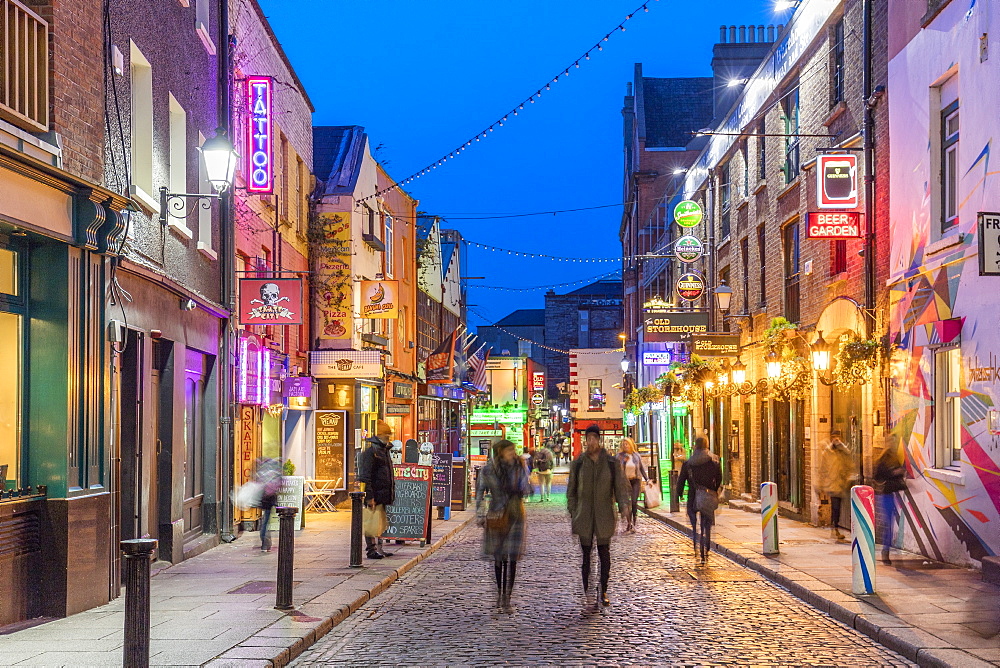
x: 596, y: 483
x: 268, y: 476
x: 703, y: 477
x: 505, y: 479
x: 836, y: 465
x: 890, y: 476
x: 544, y: 463
x: 528, y: 460
x: 567, y: 452
x: 375, y: 477
x: 635, y: 474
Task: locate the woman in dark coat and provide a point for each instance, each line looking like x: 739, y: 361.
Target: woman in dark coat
x: 505, y: 479
x: 703, y: 476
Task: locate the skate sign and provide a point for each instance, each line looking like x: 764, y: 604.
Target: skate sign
x: 408, y: 515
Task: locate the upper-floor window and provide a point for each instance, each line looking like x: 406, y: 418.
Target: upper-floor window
x: 141, y: 154
x: 724, y: 278
x: 24, y: 67
x: 595, y: 395
x: 725, y: 200
x: 792, y: 270
x: 203, y: 23
x: 838, y: 260
x: 948, y: 406
x: 949, y: 166
x: 790, y: 118
x: 761, y: 152
x: 762, y: 259
x: 390, y: 249
x: 745, y: 258
x: 177, y: 156
x: 837, y: 64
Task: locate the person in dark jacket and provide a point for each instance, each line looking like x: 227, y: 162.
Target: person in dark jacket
x: 375, y: 477
x: 703, y: 476
x: 890, y: 474
x: 596, y: 482
x: 505, y: 479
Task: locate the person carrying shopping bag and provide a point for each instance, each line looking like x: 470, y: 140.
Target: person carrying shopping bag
x: 703, y: 476
x: 505, y: 480
x: 377, y: 481
x: 635, y: 475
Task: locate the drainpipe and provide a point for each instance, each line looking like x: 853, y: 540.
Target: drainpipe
x: 227, y: 266
x: 868, y: 129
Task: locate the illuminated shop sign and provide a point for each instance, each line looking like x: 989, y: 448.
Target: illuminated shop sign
x: 253, y: 371
x: 833, y: 225
x: 661, y: 325
x: 837, y: 186
x: 260, y: 155
x: 657, y: 358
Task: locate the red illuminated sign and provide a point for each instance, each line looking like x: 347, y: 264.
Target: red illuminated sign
x: 833, y: 225
x: 260, y: 155
x: 837, y: 181
x: 270, y: 301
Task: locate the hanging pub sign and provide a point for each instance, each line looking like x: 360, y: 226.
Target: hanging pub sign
x: 270, y: 301
x: 833, y: 225
x: 252, y: 371
x: 690, y: 286
x: 687, y: 213
x: 837, y: 187
x: 378, y: 299
x: 260, y: 153
x: 688, y: 249
x: 296, y: 387
x: 661, y: 325
x: 716, y: 345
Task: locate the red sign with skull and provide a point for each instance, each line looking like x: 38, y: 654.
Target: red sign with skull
x: 270, y: 301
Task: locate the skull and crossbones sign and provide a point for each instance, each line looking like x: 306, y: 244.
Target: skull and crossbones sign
x: 270, y: 295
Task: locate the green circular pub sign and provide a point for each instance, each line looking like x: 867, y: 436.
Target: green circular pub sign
x: 688, y: 248
x: 687, y: 213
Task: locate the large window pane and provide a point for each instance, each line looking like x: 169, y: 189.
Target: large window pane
x: 10, y: 396
x: 8, y: 272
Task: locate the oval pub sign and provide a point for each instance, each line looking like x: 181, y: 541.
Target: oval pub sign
x: 687, y: 213
x: 690, y: 286
x: 688, y: 248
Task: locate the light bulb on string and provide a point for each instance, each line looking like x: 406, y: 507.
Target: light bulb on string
x: 608, y: 35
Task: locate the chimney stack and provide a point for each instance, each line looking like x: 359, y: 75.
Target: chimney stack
x: 628, y: 89
x: 722, y: 34
x: 770, y: 33
x: 743, y: 34
x: 760, y: 33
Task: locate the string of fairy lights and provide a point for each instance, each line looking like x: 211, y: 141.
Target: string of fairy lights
x: 550, y: 286
x: 543, y: 256
x: 516, y: 110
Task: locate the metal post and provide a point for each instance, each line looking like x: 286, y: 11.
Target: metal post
x: 769, y: 517
x: 286, y: 557
x: 357, y: 502
x: 863, y: 539
x: 675, y: 501
x: 138, y: 554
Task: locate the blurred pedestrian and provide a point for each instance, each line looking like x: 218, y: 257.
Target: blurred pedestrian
x: 703, y: 476
x: 836, y: 474
x: 544, y: 463
x: 528, y: 459
x: 567, y: 451
x: 596, y: 482
x: 375, y: 478
x: 635, y: 475
x: 267, y: 474
x: 678, y: 456
x: 890, y: 476
x: 505, y: 479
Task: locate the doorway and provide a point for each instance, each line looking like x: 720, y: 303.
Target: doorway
x: 845, y: 413
x: 137, y: 478
x: 195, y: 373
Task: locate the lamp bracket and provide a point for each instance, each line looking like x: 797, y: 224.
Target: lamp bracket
x: 749, y: 318
x: 175, y: 204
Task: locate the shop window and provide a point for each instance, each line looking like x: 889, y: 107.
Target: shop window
x: 11, y: 364
x: 368, y: 409
x: 948, y: 406
x: 595, y: 394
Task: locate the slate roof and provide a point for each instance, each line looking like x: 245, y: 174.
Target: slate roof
x: 337, y: 154
x: 612, y: 289
x: 525, y: 317
x: 447, y: 252
x: 674, y: 108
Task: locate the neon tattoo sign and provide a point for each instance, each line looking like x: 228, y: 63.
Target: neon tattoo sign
x: 260, y: 156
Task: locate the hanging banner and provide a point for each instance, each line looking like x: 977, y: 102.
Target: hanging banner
x: 379, y: 299
x: 690, y: 286
x: 660, y: 325
x: 837, y: 186
x: 687, y: 213
x: 689, y: 249
x: 270, y: 301
x: 259, y: 169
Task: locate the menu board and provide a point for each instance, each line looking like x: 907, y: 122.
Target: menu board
x: 289, y: 496
x: 458, y: 483
x: 409, y: 514
x: 331, y: 446
x: 441, y: 485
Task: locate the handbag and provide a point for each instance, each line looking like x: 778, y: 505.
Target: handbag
x: 374, y: 521
x: 652, y: 495
x: 706, y: 500
x: 497, y: 521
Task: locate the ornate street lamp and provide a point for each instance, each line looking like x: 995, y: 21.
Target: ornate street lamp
x: 220, y: 165
x: 821, y: 354
x: 739, y: 372
x: 773, y: 366
x: 723, y: 297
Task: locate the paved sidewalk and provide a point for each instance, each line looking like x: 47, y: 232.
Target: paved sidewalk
x: 931, y: 613
x: 217, y: 608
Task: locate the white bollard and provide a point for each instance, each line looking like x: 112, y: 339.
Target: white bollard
x: 769, y: 516
x: 863, y: 539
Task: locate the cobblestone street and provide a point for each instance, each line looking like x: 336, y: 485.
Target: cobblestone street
x: 665, y: 611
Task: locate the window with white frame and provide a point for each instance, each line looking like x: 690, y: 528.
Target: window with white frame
x: 141, y: 153
x: 949, y: 166
x: 203, y: 24
x: 177, y: 172
x: 948, y: 406
x: 204, y: 215
x: 390, y: 251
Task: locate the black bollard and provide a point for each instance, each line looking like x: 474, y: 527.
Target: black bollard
x: 675, y: 502
x: 138, y: 554
x: 357, y: 503
x: 286, y: 557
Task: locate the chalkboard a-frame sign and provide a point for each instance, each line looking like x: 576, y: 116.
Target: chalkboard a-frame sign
x: 409, y: 514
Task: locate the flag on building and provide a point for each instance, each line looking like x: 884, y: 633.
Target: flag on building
x: 440, y: 365
x: 477, y: 364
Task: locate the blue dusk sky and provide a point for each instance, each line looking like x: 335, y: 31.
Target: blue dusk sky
x: 423, y: 76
